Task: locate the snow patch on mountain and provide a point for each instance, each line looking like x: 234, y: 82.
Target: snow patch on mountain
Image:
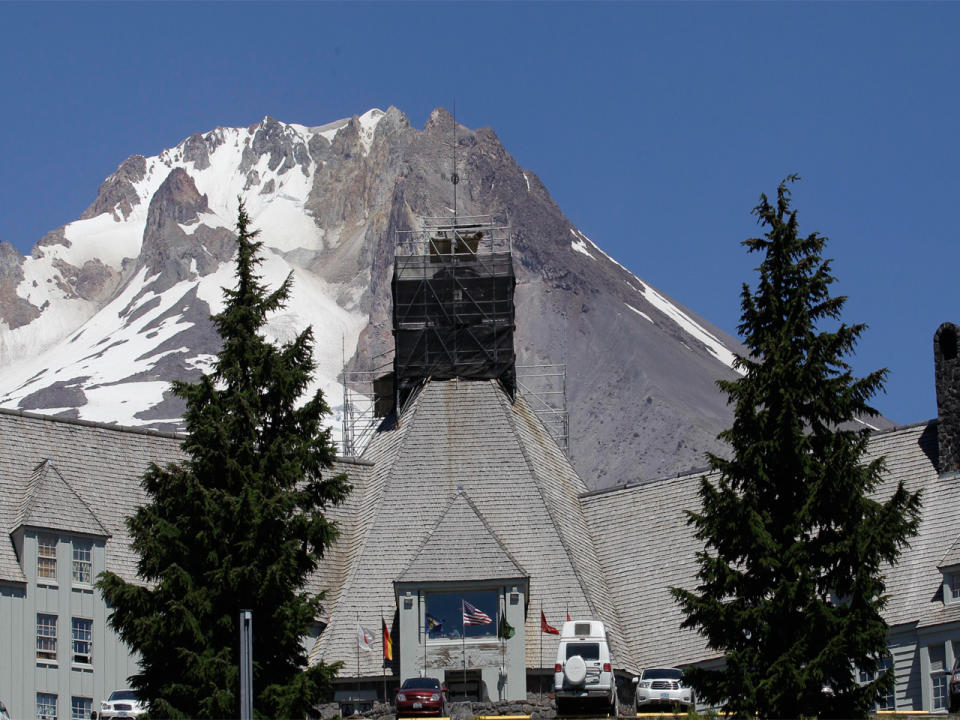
x: 368, y: 126
x: 690, y: 326
x: 639, y: 312
x: 579, y: 245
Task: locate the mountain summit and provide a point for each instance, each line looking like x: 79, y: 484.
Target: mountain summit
x: 109, y: 308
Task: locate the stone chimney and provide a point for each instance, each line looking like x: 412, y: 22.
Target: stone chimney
x: 947, y: 370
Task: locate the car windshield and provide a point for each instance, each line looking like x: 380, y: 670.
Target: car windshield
x: 421, y: 683
x: 588, y: 651
x: 662, y: 673
x: 123, y: 695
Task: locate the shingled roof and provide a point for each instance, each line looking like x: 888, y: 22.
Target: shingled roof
x: 467, y: 434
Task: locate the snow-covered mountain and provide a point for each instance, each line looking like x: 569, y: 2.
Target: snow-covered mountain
x: 107, y: 309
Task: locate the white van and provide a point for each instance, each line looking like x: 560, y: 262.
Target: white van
x: 584, y: 668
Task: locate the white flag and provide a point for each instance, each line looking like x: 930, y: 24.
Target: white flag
x: 364, y: 637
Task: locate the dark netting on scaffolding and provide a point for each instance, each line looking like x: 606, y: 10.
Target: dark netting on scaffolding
x: 453, y: 317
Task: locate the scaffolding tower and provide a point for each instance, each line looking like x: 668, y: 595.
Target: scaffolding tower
x: 453, y: 304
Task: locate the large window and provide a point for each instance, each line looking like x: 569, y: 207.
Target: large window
x: 82, y: 641
x: 445, y: 613
x: 82, y: 562
x: 46, y: 706
x: 47, y: 556
x: 46, y: 637
x: 80, y: 708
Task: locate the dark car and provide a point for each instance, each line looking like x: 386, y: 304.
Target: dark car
x: 421, y: 696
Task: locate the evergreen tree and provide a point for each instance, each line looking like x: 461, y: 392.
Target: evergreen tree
x: 238, y: 524
x: 791, y: 584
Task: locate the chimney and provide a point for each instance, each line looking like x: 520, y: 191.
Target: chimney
x: 947, y: 371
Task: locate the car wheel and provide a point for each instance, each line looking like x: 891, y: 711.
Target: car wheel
x: 615, y: 706
x: 954, y: 704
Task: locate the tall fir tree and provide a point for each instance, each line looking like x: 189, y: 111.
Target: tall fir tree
x: 239, y: 524
x: 790, y: 581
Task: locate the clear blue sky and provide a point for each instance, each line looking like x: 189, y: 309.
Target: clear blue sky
x: 655, y: 126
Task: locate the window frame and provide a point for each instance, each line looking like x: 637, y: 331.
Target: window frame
x: 938, y: 691
x: 46, y: 642
x: 44, y: 702
x: 75, y: 642
x: 80, y: 707
x: 47, y: 557
x: 83, y: 549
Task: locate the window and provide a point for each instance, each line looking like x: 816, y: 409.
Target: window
x: 82, y: 641
x: 887, y: 701
x: 46, y: 637
x: 444, y: 614
x: 46, y: 556
x: 82, y: 562
x: 955, y: 586
x: 938, y: 678
x: 939, y: 691
x: 46, y: 706
x: 80, y: 708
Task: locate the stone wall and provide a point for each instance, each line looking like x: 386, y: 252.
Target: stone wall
x: 537, y: 710
x: 947, y: 372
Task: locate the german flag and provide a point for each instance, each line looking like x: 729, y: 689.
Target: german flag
x: 387, y: 641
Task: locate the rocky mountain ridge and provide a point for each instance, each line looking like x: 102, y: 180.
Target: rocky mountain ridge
x: 107, y: 309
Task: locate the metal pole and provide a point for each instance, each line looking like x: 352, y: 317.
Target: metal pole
x: 463, y: 648
x: 540, y: 684
x: 246, y: 665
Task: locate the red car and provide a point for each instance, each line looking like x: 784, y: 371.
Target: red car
x: 421, y: 696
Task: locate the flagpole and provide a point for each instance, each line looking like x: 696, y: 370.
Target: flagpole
x: 383, y: 659
x: 463, y: 648
x: 503, y: 645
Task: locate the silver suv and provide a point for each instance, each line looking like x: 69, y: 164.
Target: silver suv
x: 663, y: 686
x: 584, y: 669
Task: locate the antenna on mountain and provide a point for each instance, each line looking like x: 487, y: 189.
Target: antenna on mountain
x: 455, y: 177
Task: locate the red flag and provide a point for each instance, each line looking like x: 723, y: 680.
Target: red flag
x: 544, y: 628
x: 387, y: 641
x: 568, y: 614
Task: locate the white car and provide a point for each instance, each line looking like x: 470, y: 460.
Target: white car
x: 122, y: 704
x: 584, y: 669
x: 663, y: 686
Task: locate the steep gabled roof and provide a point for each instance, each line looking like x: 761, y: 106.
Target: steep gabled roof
x: 49, y: 502
x: 461, y: 547
x: 467, y: 434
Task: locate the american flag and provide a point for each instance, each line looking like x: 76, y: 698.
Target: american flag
x: 474, y: 615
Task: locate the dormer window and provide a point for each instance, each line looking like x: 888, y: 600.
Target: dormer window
x: 82, y: 562
x: 47, y: 557
x: 953, y: 582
